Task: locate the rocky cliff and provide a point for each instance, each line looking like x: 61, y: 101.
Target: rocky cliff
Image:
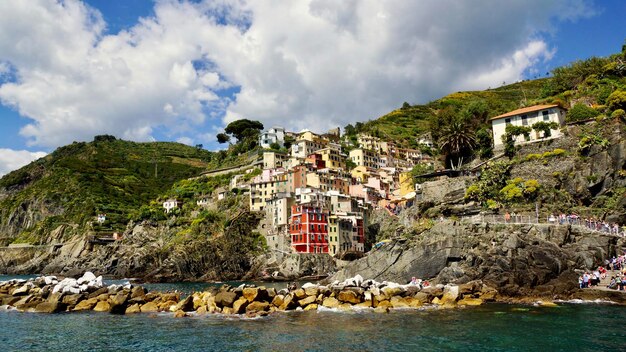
x: 148, y: 250
x: 518, y: 260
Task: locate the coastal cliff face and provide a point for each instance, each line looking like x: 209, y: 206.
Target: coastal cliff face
x: 148, y: 250
x: 517, y: 260
x: 591, y: 173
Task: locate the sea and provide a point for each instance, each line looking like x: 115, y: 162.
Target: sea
x: 573, y: 326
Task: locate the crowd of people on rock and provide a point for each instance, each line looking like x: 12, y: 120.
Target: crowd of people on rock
x: 590, y: 223
x: 617, y: 266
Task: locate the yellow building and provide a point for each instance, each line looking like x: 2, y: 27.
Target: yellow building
x: 260, y: 193
x: 333, y: 158
x: 361, y: 173
x: 308, y: 136
x: 273, y: 160
x: 406, y: 183
x: 364, y: 157
x: 333, y: 235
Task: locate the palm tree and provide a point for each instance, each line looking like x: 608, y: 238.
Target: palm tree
x: 456, y: 142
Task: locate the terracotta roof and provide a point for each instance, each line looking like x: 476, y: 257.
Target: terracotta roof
x: 524, y: 110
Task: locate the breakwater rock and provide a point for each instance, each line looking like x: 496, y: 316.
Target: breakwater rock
x: 517, y: 260
x: 353, y: 293
x: 49, y: 295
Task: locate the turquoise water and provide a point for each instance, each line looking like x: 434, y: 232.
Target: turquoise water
x: 492, y: 327
x: 495, y: 327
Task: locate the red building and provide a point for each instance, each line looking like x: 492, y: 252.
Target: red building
x: 309, y: 229
x: 316, y: 160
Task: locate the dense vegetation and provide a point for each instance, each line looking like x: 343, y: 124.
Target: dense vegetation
x: 114, y: 177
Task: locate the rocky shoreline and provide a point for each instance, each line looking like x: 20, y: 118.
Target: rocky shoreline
x: 47, y: 294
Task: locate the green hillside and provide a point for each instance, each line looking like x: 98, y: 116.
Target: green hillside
x: 76, y: 182
x: 408, y: 122
x: 592, y: 87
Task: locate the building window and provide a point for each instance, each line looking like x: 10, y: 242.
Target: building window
x: 524, y: 120
x: 546, y: 114
x: 507, y: 121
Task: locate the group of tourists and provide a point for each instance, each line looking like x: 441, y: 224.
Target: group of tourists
x: 592, y: 279
x: 590, y: 223
x: 617, y: 267
x: 618, y: 281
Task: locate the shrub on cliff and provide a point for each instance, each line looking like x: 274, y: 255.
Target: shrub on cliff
x: 581, y: 112
x: 617, y: 100
x: 492, y: 179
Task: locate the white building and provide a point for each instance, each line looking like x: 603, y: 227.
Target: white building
x: 203, y: 201
x: 302, y: 148
x: 527, y: 117
x: 172, y: 203
x: 278, y: 212
x: 273, y: 135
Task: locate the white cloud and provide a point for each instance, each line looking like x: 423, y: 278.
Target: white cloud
x: 303, y: 64
x: 185, y: 140
x: 14, y: 159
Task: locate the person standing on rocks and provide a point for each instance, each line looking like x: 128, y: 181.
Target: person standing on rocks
x: 585, y: 280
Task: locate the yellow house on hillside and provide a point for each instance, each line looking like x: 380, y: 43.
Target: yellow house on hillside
x: 406, y: 183
x: 333, y: 158
x: 361, y: 173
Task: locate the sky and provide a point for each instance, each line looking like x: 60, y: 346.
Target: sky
x: 181, y: 70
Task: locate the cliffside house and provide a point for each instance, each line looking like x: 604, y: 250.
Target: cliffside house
x: 527, y: 117
x: 172, y: 203
x: 273, y: 135
x: 203, y: 201
x: 308, y: 229
x: 101, y: 218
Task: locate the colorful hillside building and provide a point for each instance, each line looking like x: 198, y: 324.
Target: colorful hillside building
x: 309, y: 229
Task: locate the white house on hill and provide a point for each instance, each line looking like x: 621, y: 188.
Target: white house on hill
x: 172, y: 203
x: 527, y: 117
x: 273, y: 135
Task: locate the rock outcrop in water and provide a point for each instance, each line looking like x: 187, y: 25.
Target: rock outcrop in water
x: 517, y: 260
x: 49, y: 295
